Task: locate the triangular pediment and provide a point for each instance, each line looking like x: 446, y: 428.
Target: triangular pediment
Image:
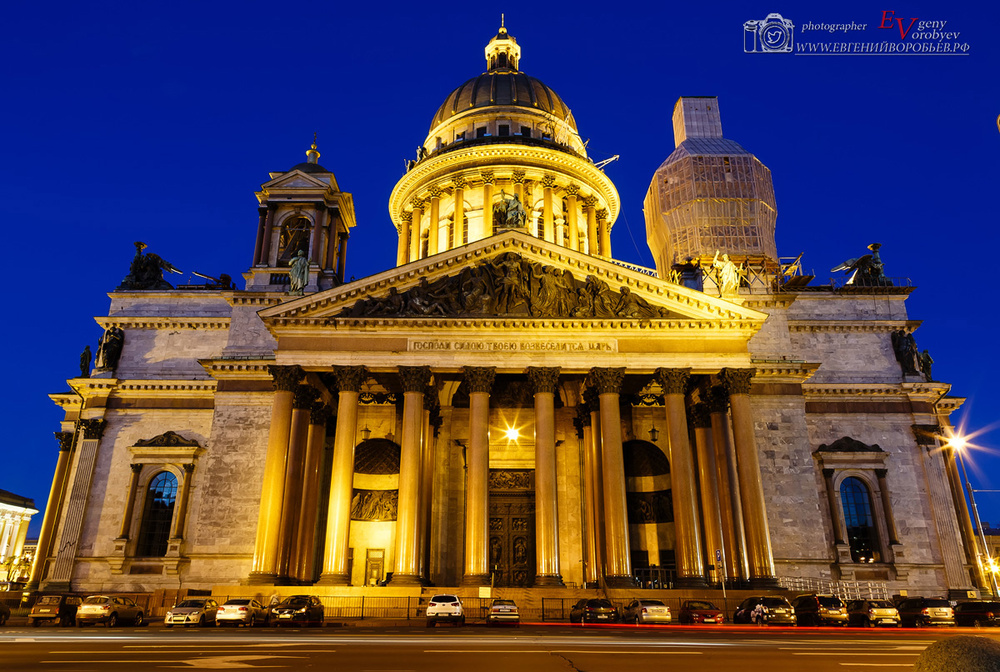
x: 512, y: 274
x: 296, y: 179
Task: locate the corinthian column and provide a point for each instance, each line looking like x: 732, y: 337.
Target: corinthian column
x: 690, y: 572
x: 730, y: 507
x: 434, y: 228
x: 414, y: 380
x: 458, y: 218
x: 305, y: 569
x: 548, y: 181
x: 479, y: 381
x: 303, y: 399
x: 759, y: 555
x: 488, y: 181
x: 591, y: 566
x: 604, y: 233
x: 709, y: 486
x: 403, y: 246
x: 618, y: 562
x: 265, y: 554
x: 418, y: 214
x: 53, y: 507
x: 590, y: 207
x: 571, y: 216
x: 544, y: 382
x: 338, y: 517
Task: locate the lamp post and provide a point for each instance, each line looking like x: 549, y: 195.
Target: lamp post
x: 958, y: 443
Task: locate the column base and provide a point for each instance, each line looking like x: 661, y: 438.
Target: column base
x: 475, y: 580
x: 406, y: 580
x: 690, y: 582
x: 333, y: 580
x: 620, y: 581
x: 55, y: 587
x: 549, y: 580
x: 764, y: 583
x: 262, y: 579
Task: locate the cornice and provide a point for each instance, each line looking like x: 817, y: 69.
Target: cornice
x: 771, y: 371
x: 154, y: 322
x: 468, y: 162
x: 950, y: 404
x: 165, y: 388
x: 744, y: 328
x: 238, y: 369
x: 842, y: 390
x: 66, y: 400
x: 262, y: 299
x: 883, y: 326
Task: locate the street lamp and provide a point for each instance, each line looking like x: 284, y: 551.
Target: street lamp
x: 958, y: 443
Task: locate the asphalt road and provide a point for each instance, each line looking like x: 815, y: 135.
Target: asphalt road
x: 542, y: 648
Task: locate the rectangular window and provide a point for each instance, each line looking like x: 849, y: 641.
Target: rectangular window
x: 546, y: 136
x: 526, y: 131
x: 503, y: 129
x: 481, y: 132
x: 459, y: 137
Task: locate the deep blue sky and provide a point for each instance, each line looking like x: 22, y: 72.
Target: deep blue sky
x: 157, y: 121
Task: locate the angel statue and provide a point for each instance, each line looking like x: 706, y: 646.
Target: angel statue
x: 729, y: 274
x: 146, y: 271
x: 866, y: 271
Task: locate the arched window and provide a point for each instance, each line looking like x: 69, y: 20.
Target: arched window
x: 858, y: 516
x: 157, y: 515
x: 294, y: 237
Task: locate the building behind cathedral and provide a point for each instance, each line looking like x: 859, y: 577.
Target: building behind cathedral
x: 510, y: 404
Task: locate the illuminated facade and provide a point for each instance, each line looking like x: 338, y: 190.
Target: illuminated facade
x: 15, y: 516
x: 508, y: 404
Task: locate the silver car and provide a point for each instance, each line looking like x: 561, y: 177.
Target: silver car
x: 199, y: 611
x: 646, y: 611
x: 109, y: 610
x: 241, y: 611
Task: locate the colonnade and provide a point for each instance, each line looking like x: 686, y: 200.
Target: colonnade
x: 582, y: 226
x: 721, y: 465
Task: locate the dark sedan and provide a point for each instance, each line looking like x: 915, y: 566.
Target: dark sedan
x: 594, y: 611
x: 920, y: 612
x: 765, y: 610
x: 977, y: 614
x: 298, y: 609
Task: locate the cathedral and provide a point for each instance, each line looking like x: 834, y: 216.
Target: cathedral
x: 510, y: 405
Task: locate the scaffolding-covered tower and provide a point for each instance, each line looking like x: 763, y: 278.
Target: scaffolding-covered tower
x: 710, y: 195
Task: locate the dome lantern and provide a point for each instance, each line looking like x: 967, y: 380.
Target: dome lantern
x: 502, y: 53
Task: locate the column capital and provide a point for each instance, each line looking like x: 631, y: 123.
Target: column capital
x: 571, y: 189
x: 414, y: 378
x: 285, y: 377
x: 881, y: 473
x: 93, y: 428
x: 350, y: 378
x: 828, y: 473
x: 543, y: 379
x: 304, y: 397
x: 548, y: 181
x: 188, y: 468
x: 602, y: 214
x: 406, y: 216
x: 590, y: 201
x: 717, y: 399
x: 459, y: 182
x: 699, y: 415
x: 136, y: 468
x: 417, y: 203
x: 319, y: 414
x: 480, y: 378
x: 736, y: 381
x: 65, y: 440
x: 609, y: 380
x: 487, y: 177
x: 673, y: 381
x: 517, y: 177
x: 436, y: 192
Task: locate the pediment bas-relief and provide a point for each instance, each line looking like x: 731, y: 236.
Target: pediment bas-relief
x: 509, y: 285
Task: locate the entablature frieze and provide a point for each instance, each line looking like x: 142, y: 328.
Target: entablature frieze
x: 854, y: 390
x: 153, y: 322
x: 742, y: 329
x: 884, y: 326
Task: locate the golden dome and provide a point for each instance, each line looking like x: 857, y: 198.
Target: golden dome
x: 503, y: 88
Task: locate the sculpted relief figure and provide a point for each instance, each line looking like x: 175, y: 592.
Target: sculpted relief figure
x: 508, y: 284
x: 109, y: 349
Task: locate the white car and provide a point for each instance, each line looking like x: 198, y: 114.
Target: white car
x: 445, y: 608
x: 241, y: 611
x: 503, y: 611
x: 199, y: 611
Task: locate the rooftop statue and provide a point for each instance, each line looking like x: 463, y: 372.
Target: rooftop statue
x: 866, y: 271
x: 146, y: 272
x: 109, y: 348
x: 85, y: 358
x: 728, y: 273
x: 298, y: 273
x: 508, y: 213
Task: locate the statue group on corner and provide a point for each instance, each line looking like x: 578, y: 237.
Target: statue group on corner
x: 146, y: 271
x: 910, y: 359
x: 866, y: 271
x: 109, y: 351
x: 509, y: 285
x: 508, y: 212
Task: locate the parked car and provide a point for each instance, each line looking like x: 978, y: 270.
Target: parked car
x: 872, y: 613
x: 775, y: 610
x: 920, y: 612
x: 977, y: 614
x: 298, y: 609
x: 4, y: 613
x: 594, y: 611
x: 700, y: 611
x: 503, y: 611
x: 819, y: 609
x: 646, y: 611
x: 445, y: 609
x: 199, y: 611
x: 109, y: 610
x: 55, y: 608
x: 241, y: 611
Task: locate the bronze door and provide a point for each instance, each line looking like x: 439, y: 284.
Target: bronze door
x: 512, y: 540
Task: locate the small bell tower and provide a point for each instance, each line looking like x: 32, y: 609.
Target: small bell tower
x: 301, y: 209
